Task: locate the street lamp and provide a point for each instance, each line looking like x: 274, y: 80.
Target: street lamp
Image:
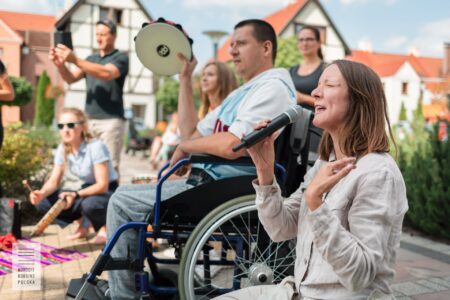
x: 215, y: 37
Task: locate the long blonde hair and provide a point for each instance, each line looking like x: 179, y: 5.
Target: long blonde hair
x: 82, y: 118
x: 367, y: 119
x: 226, y: 83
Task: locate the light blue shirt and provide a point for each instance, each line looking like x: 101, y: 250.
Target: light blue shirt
x: 82, y: 164
x: 264, y: 97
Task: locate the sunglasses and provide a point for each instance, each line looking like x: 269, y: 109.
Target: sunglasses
x: 70, y: 125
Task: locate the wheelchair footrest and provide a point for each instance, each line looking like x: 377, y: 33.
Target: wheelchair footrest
x: 94, y: 292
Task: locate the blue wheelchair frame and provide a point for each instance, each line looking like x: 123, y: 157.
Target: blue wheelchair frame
x: 144, y: 250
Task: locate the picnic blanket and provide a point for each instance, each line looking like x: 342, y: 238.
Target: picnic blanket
x: 47, y: 255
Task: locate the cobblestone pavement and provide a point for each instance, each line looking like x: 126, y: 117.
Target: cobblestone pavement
x: 423, y: 268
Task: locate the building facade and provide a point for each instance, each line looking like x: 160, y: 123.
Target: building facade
x: 288, y: 21
x: 25, y: 40
x: 406, y: 79
x: 80, y: 20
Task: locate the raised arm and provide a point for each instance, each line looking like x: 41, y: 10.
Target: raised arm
x: 61, y: 54
x: 187, y: 112
x: 67, y: 75
x: 6, y: 88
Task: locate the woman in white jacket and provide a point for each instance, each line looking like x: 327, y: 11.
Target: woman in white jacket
x: 347, y: 215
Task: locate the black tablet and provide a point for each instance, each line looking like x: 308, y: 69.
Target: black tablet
x: 63, y: 37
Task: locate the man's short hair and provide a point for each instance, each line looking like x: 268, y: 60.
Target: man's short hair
x: 262, y: 31
x: 108, y: 23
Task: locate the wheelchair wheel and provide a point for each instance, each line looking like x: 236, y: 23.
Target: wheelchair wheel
x: 230, y: 250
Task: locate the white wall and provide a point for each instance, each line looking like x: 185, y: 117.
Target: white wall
x: 393, y: 91
x: 333, y: 48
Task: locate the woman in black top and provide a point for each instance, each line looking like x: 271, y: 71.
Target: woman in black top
x: 6, y: 94
x: 306, y: 76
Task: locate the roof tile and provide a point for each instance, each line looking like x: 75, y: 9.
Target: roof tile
x: 26, y: 21
x: 278, y: 20
x: 386, y: 64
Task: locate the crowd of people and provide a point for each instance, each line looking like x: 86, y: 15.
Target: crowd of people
x: 347, y: 214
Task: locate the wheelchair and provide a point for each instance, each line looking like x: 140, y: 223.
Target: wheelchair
x: 218, y: 241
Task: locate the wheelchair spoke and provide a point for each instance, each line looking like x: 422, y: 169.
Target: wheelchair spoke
x: 241, y: 266
x: 250, y: 233
x: 233, y: 239
x: 290, y: 255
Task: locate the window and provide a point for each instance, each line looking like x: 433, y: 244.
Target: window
x: 112, y: 14
x: 322, y: 30
x: 138, y: 110
x: 404, y: 88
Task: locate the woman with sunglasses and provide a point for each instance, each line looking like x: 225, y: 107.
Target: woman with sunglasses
x: 306, y: 75
x: 88, y: 160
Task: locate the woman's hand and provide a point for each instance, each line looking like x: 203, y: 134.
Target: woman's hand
x: 70, y: 198
x: 263, y: 156
x: 188, y: 66
x: 326, y: 178
x: 36, y: 197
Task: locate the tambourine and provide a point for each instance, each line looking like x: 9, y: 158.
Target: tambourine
x: 158, y: 43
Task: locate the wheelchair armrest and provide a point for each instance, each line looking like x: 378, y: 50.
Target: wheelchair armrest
x: 212, y: 159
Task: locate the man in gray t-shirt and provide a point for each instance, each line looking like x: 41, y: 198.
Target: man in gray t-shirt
x: 105, y: 74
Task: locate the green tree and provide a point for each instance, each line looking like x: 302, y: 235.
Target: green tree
x: 425, y: 165
x: 167, y: 95
x: 45, y: 107
x: 23, y: 91
x: 418, y: 112
x: 287, y: 53
x: 402, y: 116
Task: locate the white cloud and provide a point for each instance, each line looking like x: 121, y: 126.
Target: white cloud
x: 233, y: 3
x: 365, y: 44
x: 431, y: 37
x: 36, y: 6
x: 395, y: 42
x: 350, y: 2
x: 390, y: 2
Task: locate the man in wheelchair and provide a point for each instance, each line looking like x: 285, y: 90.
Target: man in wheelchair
x: 267, y: 92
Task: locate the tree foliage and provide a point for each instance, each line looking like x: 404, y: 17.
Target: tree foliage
x: 425, y: 164
x: 287, y: 53
x: 402, y: 116
x: 45, y: 107
x: 167, y: 95
x: 26, y: 153
x: 23, y: 91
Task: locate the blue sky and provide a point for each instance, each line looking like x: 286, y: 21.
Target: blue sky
x: 393, y: 26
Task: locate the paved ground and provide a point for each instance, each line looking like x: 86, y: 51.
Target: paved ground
x: 423, y: 269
